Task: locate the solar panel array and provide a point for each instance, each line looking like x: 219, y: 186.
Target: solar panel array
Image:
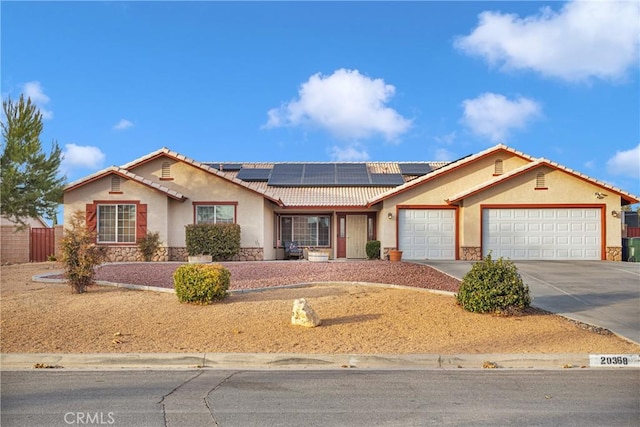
x: 323, y: 174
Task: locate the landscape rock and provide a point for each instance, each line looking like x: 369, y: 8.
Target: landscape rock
x: 304, y: 315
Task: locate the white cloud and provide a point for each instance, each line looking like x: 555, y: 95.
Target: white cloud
x: 447, y: 139
x: 353, y: 153
x: 443, y: 155
x: 625, y: 163
x: 584, y: 39
x: 81, y: 157
x: 34, y: 91
x: 123, y: 124
x: 346, y: 104
x: 494, y: 116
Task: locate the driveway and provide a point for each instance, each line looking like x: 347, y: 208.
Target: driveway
x: 600, y: 293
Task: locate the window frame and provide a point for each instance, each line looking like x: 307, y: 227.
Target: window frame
x: 116, y: 226
x: 213, y: 204
x: 302, y: 242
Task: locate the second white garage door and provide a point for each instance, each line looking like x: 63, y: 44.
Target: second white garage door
x: 427, y: 233
x: 542, y: 234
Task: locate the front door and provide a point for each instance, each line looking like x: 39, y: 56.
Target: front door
x: 356, y: 236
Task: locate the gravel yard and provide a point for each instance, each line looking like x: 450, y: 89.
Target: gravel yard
x: 356, y: 319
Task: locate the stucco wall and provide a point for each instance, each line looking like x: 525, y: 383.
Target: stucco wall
x: 99, y: 190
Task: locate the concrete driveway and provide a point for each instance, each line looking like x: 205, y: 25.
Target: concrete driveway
x: 600, y: 293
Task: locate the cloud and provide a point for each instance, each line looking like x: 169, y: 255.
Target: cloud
x: 123, y: 124
x: 33, y: 90
x: 81, y: 157
x: 625, y: 163
x: 494, y: 116
x: 353, y: 153
x: 584, y: 39
x: 346, y: 104
x: 447, y: 139
x: 443, y: 155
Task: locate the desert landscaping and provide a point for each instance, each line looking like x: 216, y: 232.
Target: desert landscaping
x: 356, y: 317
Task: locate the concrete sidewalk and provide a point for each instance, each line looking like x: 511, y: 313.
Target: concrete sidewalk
x: 284, y: 361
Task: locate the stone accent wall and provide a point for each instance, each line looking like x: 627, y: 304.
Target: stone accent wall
x: 471, y: 253
x: 14, y: 245
x: 132, y: 253
x: 614, y: 253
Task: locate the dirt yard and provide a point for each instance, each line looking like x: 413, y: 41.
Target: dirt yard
x: 48, y: 318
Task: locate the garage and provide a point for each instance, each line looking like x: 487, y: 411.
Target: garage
x: 542, y: 233
x: 427, y: 233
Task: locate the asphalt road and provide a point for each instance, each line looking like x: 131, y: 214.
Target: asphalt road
x: 348, y: 397
x: 600, y: 293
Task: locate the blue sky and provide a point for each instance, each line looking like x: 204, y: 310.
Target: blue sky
x: 331, y: 81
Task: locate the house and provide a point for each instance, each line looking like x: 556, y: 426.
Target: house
x: 499, y: 201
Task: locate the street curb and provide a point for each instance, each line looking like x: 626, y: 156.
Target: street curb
x: 284, y: 361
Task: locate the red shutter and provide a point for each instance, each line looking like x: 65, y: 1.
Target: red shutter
x: 91, y: 217
x: 141, y: 221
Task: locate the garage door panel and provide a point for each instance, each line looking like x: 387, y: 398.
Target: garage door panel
x: 427, y: 233
x: 552, y: 233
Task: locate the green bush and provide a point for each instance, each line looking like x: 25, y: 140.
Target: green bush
x: 221, y: 241
x: 80, y: 255
x: 493, y: 286
x: 201, y: 283
x: 149, y: 245
x: 373, y: 249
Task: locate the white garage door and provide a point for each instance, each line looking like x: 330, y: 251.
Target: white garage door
x: 427, y: 233
x: 542, y: 234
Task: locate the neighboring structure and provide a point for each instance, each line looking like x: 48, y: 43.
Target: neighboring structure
x: 16, y: 243
x: 498, y: 201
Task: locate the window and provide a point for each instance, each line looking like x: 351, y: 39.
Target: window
x: 117, y: 223
x: 540, y: 182
x: 498, y: 169
x: 307, y: 230
x: 215, y: 214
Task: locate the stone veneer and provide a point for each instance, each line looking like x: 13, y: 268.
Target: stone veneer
x: 614, y: 253
x: 471, y: 253
x: 132, y: 253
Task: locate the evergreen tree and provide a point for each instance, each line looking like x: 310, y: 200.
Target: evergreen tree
x: 30, y: 185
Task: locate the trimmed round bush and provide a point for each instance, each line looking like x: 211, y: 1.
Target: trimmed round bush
x: 493, y: 287
x: 373, y: 249
x: 201, y: 283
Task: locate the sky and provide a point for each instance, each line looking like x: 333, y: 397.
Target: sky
x: 330, y: 81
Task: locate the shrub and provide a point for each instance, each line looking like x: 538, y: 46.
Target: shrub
x: 201, y: 283
x: 221, y: 241
x: 149, y: 245
x: 373, y: 249
x: 80, y: 255
x: 493, y: 286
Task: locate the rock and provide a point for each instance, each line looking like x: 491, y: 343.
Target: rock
x: 304, y: 315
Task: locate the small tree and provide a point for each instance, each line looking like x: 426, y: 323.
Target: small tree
x: 30, y: 185
x: 149, y: 245
x: 80, y: 255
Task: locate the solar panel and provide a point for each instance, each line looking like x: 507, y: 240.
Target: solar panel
x: 352, y: 174
x: 226, y: 167
x: 254, y: 174
x: 319, y: 174
x: 414, y: 168
x: 386, y: 179
x: 284, y: 175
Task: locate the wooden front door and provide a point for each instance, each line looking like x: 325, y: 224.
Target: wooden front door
x: 356, y: 236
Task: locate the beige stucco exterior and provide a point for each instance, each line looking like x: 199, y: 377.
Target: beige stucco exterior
x: 466, y: 186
